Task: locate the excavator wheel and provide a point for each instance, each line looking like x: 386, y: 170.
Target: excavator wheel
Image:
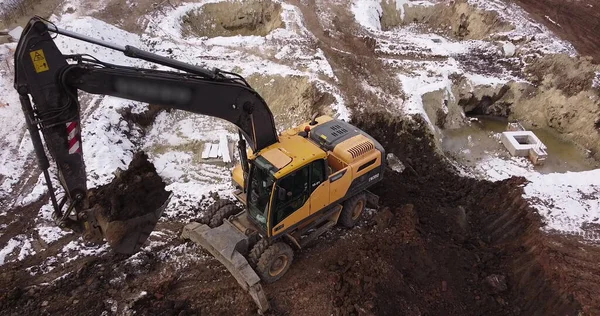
x: 257, y: 250
x: 274, y: 262
x: 212, y: 210
x: 353, y: 208
x: 223, y: 213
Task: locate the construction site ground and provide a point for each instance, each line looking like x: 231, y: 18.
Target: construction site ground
x: 442, y: 242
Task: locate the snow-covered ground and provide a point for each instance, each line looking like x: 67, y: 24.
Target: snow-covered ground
x: 567, y: 201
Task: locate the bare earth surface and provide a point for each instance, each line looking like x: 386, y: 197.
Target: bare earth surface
x: 441, y: 244
x: 572, y: 20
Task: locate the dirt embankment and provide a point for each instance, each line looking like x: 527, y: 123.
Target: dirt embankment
x: 292, y: 99
x: 458, y: 19
x: 562, y: 98
x: 231, y: 18
x: 468, y: 237
x: 572, y: 20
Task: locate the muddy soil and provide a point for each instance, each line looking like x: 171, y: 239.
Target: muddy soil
x: 137, y: 191
x: 441, y: 245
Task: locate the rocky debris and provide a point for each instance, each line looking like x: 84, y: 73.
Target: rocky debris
x: 384, y: 218
x: 496, y: 283
x: 394, y: 163
x: 508, y: 49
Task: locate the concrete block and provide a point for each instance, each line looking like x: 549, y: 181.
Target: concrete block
x: 524, y: 144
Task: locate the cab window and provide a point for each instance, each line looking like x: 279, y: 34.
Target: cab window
x: 317, y: 174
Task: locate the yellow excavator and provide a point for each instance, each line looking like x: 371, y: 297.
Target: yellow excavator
x: 290, y: 187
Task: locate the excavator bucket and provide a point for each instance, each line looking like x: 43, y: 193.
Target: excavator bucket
x: 126, y: 210
x: 128, y: 236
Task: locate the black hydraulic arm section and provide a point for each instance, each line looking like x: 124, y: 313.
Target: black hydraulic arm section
x: 52, y: 80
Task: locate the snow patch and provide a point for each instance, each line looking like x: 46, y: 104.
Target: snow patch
x: 596, y: 81
x: 76, y: 249
x: 20, y: 243
x: 368, y: 13
x: 50, y: 234
x: 567, y: 201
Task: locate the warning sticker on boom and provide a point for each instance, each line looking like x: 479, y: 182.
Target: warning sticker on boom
x: 39, y: 61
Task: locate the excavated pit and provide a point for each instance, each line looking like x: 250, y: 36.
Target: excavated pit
x: 134, y: 192
x: 292, y: 99
x: 458, y: 20
x: 563, y: 98
x: 464, y: 235
x: 231, y: 18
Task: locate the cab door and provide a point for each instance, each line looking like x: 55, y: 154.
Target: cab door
x: 291, y: 202
x: 319, y: 188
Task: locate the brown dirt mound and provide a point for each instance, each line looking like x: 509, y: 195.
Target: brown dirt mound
x: 231, y: 18
x: 137, y: 191
x: 143, y: 119
x: 464, y: 240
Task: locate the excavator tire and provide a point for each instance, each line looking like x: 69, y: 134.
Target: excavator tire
x: 257, y: 250
x: 213, y: 209
x: 274, y: 262
x: 353, y: 208
x: 223, y: 213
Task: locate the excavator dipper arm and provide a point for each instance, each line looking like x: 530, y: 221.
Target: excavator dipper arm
x: 52, y: 80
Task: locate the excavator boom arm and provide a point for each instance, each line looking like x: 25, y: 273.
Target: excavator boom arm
x: 44, y: 74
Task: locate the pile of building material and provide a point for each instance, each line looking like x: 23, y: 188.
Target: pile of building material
x: 221, y: 150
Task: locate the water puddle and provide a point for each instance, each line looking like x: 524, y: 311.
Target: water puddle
x: 481, y: 139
